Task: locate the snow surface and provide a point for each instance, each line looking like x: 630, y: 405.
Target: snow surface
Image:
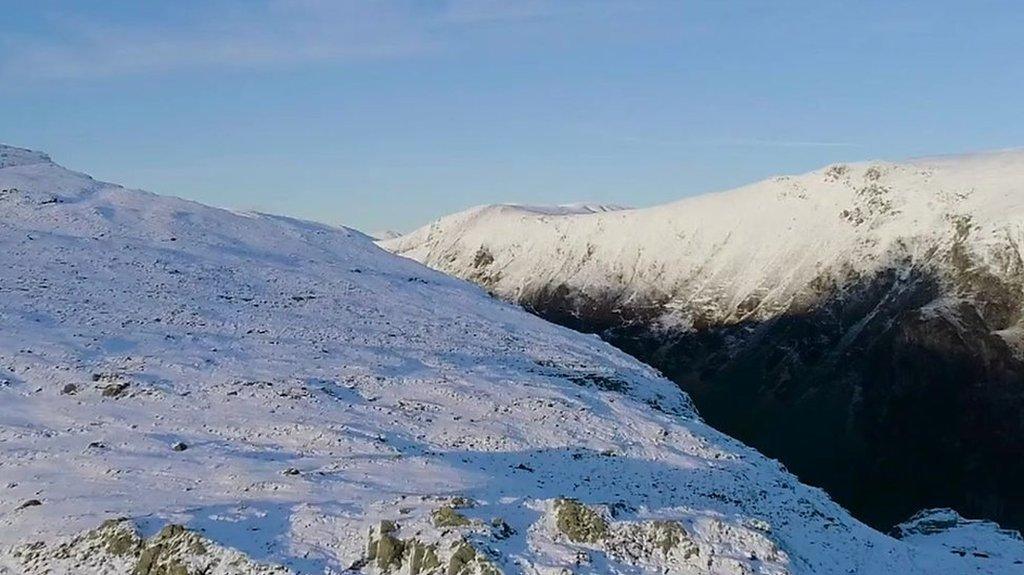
x: 568, y: 209
x: 384, y: 234
x: 283, y: 386
x: 748, y: 253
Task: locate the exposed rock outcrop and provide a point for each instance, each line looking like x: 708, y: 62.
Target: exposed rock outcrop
x: 117, y: 547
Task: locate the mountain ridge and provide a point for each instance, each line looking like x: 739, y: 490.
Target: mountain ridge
x: 793, y: 283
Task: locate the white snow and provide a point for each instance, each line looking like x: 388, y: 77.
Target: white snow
x: 569, y: 209
x: 761, y: 245
x: 319, y: 385
x: 384, y: 234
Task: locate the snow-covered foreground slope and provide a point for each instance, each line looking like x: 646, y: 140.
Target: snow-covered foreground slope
x: 295, y: 396
x: 863, y: 322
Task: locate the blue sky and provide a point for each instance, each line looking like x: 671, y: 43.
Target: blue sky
x: 384, y: 115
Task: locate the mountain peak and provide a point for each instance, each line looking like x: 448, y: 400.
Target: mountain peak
x: 11, y: 156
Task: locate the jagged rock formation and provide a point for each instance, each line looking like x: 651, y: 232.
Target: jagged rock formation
x: 945, y: 530
x: 706, y: 545
x: 117, y: 547
x: 863, y: 323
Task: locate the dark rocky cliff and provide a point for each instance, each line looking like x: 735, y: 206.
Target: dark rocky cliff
x: 893, y: 393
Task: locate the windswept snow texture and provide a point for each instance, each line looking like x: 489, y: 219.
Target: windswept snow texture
x: 863, y: 323
x: 567, y: 209
x: 291, y: 391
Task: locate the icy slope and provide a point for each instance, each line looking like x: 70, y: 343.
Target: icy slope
x: 291, y: 392
x: 863, y: 323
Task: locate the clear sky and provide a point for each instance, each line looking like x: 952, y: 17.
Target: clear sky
x: 384, y: 115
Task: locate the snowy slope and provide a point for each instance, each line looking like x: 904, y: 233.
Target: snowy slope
x: 566, y: 209
x: 384, y: 234
x: 291, y: 392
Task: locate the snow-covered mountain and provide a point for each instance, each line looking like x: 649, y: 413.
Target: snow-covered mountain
x: 384, y: 234
x: 564, y: 209
x: 862, y: 322
x: 189, y: 390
